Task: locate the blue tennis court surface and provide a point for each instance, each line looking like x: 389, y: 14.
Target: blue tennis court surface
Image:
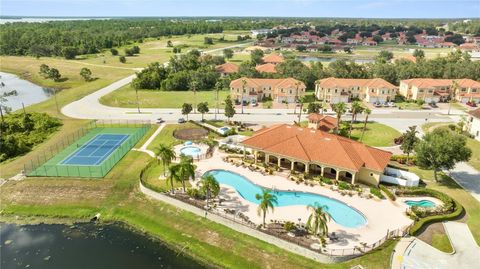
x: 95, y: 150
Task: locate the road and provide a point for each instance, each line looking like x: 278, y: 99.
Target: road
x: 412, y: 253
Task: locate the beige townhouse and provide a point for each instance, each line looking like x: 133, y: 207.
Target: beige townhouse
x: 255, y: 89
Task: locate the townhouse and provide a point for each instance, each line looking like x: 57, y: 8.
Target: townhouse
x: 440, y: 90
x: 336, y: 90
x: 255, y: 89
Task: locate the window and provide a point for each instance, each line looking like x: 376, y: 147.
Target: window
x: 371, y: 174
x: 420, y: 90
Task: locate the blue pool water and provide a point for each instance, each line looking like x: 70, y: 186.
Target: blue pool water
x: 191, y: 151
x: 421, y: 203
x: 341, y: 213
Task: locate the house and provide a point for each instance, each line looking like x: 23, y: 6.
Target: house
x: 473, y: 123
x: 257, y: 32
x: 369, y: 42
x: 426, y: 89
x: 319, y: 153
x: 266, y: 68
x: 321, y: 122
x: 469, y: 47
x: 279, y: 90
x: 336, y: 90
x: 226, y: 69
x: 273, y: 59
x: 467, y: 90
x: 440, y: 90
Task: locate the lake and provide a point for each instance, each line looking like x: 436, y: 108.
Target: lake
x: 28, y: 93
x: 330, y: 59
x: 84, y: 246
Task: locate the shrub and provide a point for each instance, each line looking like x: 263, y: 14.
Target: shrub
x: 376, y: 192
x: 195, y: 193
x: 344, y: 186
x: 289, y: 226
x: 326, y: 180
x: 389, y: 194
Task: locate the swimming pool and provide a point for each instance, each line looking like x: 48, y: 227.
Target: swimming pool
x: 420, y: 203
x: 341, y: 213
x: 191, y: 151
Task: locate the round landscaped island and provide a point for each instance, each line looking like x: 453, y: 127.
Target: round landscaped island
x: 194, y: 150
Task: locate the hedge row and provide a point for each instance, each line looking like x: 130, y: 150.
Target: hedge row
x: 402, y: 159
x: 387, y: 192
x: 452, y: 205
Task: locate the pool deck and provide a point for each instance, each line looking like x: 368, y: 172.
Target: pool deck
x: 382, y: 216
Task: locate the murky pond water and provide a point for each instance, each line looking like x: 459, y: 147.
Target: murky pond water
x: 28, y: 93
x: 84, y: 246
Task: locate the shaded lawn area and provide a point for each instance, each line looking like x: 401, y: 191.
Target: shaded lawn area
x: 125, y: 97
x: 376, y: 134
x: 152, y: 175
x: 451, y: 188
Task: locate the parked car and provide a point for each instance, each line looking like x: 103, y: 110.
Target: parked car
x: 254, y: 103
x: 181, y: 120
x: 433, y: 104
x: 160, y: 121
x: 391, y: 104
x: 377, y: 104
x: 472, y: 104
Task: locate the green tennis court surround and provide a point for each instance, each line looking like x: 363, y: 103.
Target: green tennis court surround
x: 92, y: 153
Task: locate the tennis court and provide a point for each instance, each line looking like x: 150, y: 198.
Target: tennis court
x: 91, y: 154
x: 96, y: 150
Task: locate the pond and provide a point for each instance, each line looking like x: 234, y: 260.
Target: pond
x: 308, y: 59
x: 84, y: 246
x: 27, y: 92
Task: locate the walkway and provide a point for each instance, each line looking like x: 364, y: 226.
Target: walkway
x: 144, y: 147
x: 412, y: 253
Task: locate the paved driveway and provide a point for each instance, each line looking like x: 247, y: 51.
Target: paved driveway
x: 416, y: 254
x: 468, y: 178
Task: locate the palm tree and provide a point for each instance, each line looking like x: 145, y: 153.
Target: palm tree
x: 166, y: 154
x: 367, y: 112
x: 340, y: 109
x: 218, y: 87
x: 210, y: 187
x: 173, y: 175
x: 186, y: 169
x: 356, y: 108
x: 267, y: 201
x: 317, y: 221
x: 301, y: 100
x: 244, y: 83
x: 193, y: 85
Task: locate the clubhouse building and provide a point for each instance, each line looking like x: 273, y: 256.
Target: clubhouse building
x: 306, y: 150
x: 255, y: 89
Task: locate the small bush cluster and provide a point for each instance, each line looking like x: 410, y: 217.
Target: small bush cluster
x: 402, y: 159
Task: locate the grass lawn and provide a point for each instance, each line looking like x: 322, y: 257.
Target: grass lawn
x: 125, y: 97
x: 376, y: 135
x: 408, y: 105
x: 442, y: 243
x: 73, y: 88
x: 216, y: 123
x: 156, y: 50
x: 166, y: 135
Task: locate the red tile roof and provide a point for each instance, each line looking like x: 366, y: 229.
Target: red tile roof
x: 332, y: 82
x: 318, y: 146
x: 431, y: 82
x: 273, y: 58
x: 266, y: 68
x: 475, y: 113
x: 227, y: 68
x: 267, y: 82
x: 325, y: 123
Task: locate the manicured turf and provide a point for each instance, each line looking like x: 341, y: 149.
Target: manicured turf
x: 376, y: 134
x: 125, y: 97
x: 442, y: 243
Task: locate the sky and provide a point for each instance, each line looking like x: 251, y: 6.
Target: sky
x: 260, y: 8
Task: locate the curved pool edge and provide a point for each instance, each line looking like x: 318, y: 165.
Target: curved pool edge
x: 289, y: 191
